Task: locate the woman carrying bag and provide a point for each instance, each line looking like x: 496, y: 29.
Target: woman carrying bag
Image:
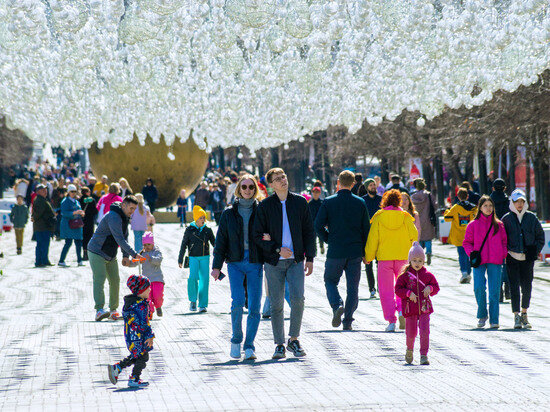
x: 71, y: 225
x: 485, y: 244
x: 525, y: 242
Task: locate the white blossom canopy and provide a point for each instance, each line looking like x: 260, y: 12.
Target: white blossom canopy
x: 254, y: 72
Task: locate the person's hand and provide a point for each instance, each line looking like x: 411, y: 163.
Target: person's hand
x: 149, y: 342
x: 138, y: 256
x: 215, y: 274
x: 427, y: 290
x: 412, y: 297
x: 309, y: 268
x: 266, y: 237
x: 285, y: 253
x: 125, y: 261
x: 180, y: 265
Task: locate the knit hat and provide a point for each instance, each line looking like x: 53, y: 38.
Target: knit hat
x: 148, y: 238
x: 518, y: 194
x: 198, y: 212
x: 499, y: 184
x: 368, y: 182
x: 138, y: 284
x: 416, y: 251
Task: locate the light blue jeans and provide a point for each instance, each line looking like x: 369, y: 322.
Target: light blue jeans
x: 138, y: 244
x: 254, y: 275
x: 494, y: 273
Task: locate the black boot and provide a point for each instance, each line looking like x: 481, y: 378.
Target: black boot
x: 429, y: 259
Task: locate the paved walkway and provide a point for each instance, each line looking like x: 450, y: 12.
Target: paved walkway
x: 53, y: 355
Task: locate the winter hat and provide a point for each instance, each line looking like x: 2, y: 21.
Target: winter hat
x: 71, y: 188
x: 148, y: 238
x: 499, y: 184
x: 416, y: 251
x: 198, y: 212
x: 138, y: 283
x: 518, y: 194
x: 368, y: 182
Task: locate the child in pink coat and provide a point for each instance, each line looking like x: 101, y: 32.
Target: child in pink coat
x: 414, y: 286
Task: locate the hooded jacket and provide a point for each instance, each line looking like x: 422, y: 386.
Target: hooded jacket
x: 196, y: 239
x: 151, y: 267
x: 533, y: 234
x: 392, y: 233
x: 413, y: 281
x: 501, y: 203
x: 421, y: 201
x: 136, y: 324
x: 459, y: 215
x: 495, y: 249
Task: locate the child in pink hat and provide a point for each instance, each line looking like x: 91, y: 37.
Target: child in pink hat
x: 414, y: 286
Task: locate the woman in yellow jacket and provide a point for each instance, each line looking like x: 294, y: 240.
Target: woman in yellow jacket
x: 392, y: 233
x: 460, y: 215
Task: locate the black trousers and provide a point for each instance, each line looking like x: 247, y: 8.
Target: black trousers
x: 370, y: 276
x: 520, y: 275
x: 139, y: 364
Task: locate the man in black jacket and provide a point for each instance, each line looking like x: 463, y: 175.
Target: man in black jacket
x: 343, y: 222
x: 372, y: 200
x: 284, y: 231
x: 314, y: 205
x: 502, y: 207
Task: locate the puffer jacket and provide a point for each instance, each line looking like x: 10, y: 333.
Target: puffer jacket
x: 533, y: 234
x: 416, y: 281
x: 459, y: 215
x: 495, y: 249
x: 137, y: 328
x: 421, y: 201
x: 501, y: 203
x: 392, y: 233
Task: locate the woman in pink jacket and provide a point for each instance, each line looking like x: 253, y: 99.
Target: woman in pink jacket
x: 493, y: 253
x: 104, y: 204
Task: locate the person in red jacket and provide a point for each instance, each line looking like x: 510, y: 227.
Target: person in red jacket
x: 414, y: 286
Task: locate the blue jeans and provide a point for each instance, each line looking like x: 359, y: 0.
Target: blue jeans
x: 463, y: 261
x: 494, y: 273
x: 426, y: 244
x: 267, y: 303
x: 42, y: 247
x: 67, y: 246
x: 237, y: 272
x: 138, y: 244
x: 333, y: 272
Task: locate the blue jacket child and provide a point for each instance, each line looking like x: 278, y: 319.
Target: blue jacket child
x: 137, y: 331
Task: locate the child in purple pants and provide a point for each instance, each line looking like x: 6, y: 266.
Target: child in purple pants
x: 414, y: 286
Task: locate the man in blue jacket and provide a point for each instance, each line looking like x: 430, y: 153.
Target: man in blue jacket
x: 343, y: 223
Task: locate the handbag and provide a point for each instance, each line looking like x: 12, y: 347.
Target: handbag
x: 76, y: 223
x: 475, y: 256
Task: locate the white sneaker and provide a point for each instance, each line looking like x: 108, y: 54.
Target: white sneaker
x: 80, y: 263
x: 390, y: 327
x: 235, y: 351
x: 249, y: 354
x: 63, y: 265
x: 481, y: 322
x: 202, y: 310
x: 102, y: 314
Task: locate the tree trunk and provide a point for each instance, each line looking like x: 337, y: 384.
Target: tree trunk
x: 512, y: 172
x: 274, y: 157
x: 528, y: 177
x: 427, y: 172
x: 469, y: 169
x: 438, y: 167
x: 482, y: 166
x: 384, y: 171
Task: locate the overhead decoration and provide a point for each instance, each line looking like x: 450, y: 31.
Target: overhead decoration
x: 254, y: 72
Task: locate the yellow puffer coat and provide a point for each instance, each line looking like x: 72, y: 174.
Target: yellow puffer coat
x: 459, y: 215
x: 392, y: 233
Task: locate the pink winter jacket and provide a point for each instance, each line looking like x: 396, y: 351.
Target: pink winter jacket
x: 495, y: 250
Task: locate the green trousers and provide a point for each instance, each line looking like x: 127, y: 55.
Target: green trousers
x: 104, y: 269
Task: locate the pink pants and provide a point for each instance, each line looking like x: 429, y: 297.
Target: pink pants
x: 157, y: 296
x: 388, y: 270
x: 412, y: 324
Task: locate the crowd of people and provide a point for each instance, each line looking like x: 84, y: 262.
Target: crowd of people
x: 265, y: 229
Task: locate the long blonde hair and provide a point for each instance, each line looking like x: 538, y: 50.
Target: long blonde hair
x: 141, y: 201
x: 123, y: 180
x: 238, y: 194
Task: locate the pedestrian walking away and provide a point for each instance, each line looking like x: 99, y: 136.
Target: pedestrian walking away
x: 525, y: 240
x: 43, y: 218
x: 314, y: 205
x: 88, y: 204
x: 502, y: 207
x: 372, y: 200
x: 196, y: 238
x: 486, y: 236
x: 284, y: 230
x: 111, y: 233
x: 426, y: 206
x: 19, y: 216
x: 392, y: 233
x: 414, y: 286
x: 71, y: 225
x: 343, y: 223
x: 137, y: 332
x: 235, y: 245
x: 139, y: 221
x: 150, y: 194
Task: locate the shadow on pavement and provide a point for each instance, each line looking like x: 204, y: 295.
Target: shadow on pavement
x: 236, y: 362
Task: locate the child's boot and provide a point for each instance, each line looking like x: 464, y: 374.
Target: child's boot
x: 136, y: 383
x: 409, y: 356
x: 159, y: 312
x: 114, y: 371
x: 424, y: 360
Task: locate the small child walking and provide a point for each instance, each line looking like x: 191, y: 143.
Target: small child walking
x: 19, y: 216
x: 137, y: 331
x: 196, y: 238
x: 414, y: 286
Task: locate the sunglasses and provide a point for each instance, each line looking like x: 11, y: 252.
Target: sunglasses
x: 249, y: 187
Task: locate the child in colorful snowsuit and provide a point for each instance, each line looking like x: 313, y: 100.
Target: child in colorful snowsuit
x: 196, y: 238
x: 137, y: 331
x: 415, y: 286
x: 151, y: 270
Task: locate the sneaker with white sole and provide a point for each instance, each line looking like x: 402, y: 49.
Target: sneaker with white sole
x: 465, y: 278
x: 409, y: 356
x: 481, y: 322
x: 159, y: 312
x: 295, y: 348
x: 249, y: 354
x: 114, y: 371
x: 136, y: 383
x: 115, y: 315
x: 235, y: 352
x: 193, y: 306
x: 202, y: 310
x: 101, y: 314
x: 517, y: 321
x: 390, y: 327
x: 373, y: 294
x: 63, y: 265
x: 280, y: 352
x: 80, y: 263
x: 494, y: 326
x: 337, y: 316
x: 525, y: 322
x: 424, y: 360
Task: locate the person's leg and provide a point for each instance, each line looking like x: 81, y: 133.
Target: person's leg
x: 513, y: 269
x: 254, y: 285
x: 65, y: 250
x: 494, y: 273
x: 19, y: 235
x: 526, y: 281
x: 236, y: 276
x: 47, y: 239
x: 424, y: 326
x: 428, y: 245
x: 113, y: 278
x: 275, y: 276
x: 139, y: 365
x: 204, y: 280
x: 397, y: 268
x: 353, y: 277
x: 462, y: 257
x: 287, y: 293
x: 295, y: 277
x: 193, y: 280
x: 386, y: 289
x: 99, y: 272
x: 411, y: 330
x: 78, y: 247
x: 138, y: 243
x: 333, y: 273
x: 39, y: 253
x: 370, y: 276
x: 480, y: 291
